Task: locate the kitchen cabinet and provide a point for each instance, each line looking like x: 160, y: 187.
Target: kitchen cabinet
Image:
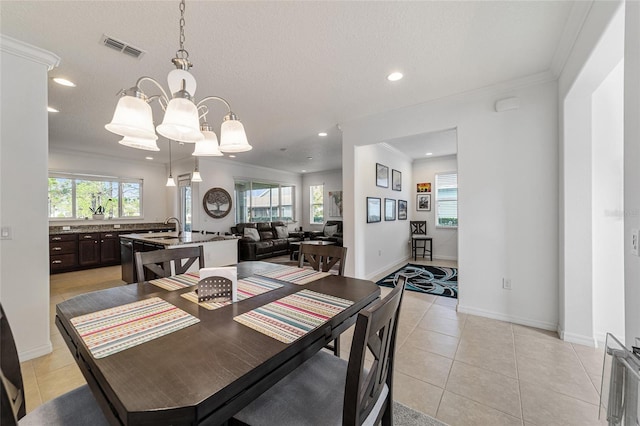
x: 63, y: 252
x: 109, y: 247
x: 89, y: 249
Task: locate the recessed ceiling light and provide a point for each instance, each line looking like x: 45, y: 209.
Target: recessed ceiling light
x: 232, y: 156
x: 429, y: 153
x: 309, y: 158
x: 395, y: 76
x: 64, y: 82
x: 148, y: 158
x: 303, y: 171
x: 51, y: 109
x: 322, y: 134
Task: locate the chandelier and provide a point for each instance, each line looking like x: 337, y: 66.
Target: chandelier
x: 133, y: 119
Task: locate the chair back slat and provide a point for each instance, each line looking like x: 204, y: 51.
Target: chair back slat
x: 375, y: 332
x: 158, y: 262
x: 418, y: 227
x: 12, y: 404
x: 323, y: 258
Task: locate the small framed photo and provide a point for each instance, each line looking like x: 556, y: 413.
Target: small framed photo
x: 389, y: 209
x: 423, y: 202
x: 396, y: 180
x: 374, y: 210
x: 402, y: 209
x: 382, y: 175
x: 424, y: 187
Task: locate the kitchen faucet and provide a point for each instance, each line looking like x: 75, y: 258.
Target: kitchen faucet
x: 177, y: 222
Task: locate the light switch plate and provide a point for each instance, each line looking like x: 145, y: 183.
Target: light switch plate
x: 5, y: 233
x: 635, y: 241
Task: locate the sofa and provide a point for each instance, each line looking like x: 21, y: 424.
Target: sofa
x: 264, y: 239
x: 332, y: 231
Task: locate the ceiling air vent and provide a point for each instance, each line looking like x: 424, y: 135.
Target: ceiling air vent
x: 121, y: 46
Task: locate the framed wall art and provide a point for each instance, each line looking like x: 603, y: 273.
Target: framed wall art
x: 402, y: 209
x: 382, y: 175
x: 424, y: 187
x: 396, y: 180
x: 374, y: 210
x: 423, y: 202
x: 389, y: 209
x: 217, y: 203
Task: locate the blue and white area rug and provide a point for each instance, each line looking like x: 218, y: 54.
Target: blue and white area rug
x: 436, y: 280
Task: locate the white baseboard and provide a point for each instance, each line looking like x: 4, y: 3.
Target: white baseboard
x: 36, y: 352
x: 509, y: 318
x: 578, y: 338
x: 398, y: 263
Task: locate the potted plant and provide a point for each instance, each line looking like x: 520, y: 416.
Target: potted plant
x: 98, y: 212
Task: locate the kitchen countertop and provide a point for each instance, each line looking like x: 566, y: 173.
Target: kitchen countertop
x: 124, y: 227
x: 175, y: 239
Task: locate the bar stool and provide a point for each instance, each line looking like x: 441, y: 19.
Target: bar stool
x: 419, y: 239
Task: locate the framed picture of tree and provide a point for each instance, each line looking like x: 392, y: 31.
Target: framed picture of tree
x: 217, y: 203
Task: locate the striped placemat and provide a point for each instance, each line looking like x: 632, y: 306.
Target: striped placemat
x: 294, y: 316
x: 247, y: 287
x: 113, y: 330
x: 177, y: 282
x: 294, y: 275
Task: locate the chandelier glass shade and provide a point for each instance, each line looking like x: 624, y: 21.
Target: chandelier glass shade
x: 140, y: 143
x: 208, y: 147
x: 133, y: 116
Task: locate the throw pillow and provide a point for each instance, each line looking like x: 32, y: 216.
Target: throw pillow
x: 282, y: 232
x: 330, y: 230
x: 251, y: 234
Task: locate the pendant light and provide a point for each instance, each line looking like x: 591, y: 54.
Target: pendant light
x: 133, y: 118
x: 195, y: 177
x: 170, y: 181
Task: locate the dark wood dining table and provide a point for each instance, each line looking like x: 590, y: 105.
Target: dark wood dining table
x: 204, y: 373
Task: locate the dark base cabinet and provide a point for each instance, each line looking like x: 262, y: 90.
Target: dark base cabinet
x: 128, y: 248
x: 85, y: 250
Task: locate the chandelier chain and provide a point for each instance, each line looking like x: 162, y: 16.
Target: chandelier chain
x: 182, y: 7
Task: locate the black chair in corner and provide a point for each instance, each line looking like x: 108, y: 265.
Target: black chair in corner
x: 419, y: 239
x: 329, y: 391
x: 323, y: 258
x: 75, y: 408
x: 158, y: 262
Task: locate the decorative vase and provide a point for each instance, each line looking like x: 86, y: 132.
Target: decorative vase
x: 98, y: 216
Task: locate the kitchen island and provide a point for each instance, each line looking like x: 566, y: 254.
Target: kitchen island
x: 219, y: 250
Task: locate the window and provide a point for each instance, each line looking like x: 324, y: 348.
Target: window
x: 73, y: 196
x: 316, y: 195
x: 447, y: 200
x: 184, y: 183
x: 263, y: 202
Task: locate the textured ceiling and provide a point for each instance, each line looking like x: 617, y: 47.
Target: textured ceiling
x: 289, y: 69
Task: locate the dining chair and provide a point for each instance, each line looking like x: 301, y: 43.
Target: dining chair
x: 75, y: 408
x: 323, y: 258
x: 419, y: 239
x: 327, y: 390
x: 159, y: 262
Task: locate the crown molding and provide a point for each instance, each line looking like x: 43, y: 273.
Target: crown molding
x: 572, y: 28
x: 29, y: 52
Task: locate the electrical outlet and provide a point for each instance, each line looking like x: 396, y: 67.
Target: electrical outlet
x: 506, y: 283
x: 116, y: 226
x: 635, y: 241
x: 5, y: 233
x: 66, y: 228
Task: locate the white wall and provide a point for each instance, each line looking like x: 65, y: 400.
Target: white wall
x: 220, y: 173
x: 608, y: 205
x: 598, y: 49
x: 508, y: 196
x: 154, y: 175
x: 445, y: 240
x: 631, y: 169
x: 24, y: 259
x: 383, y: 244
x: 332, y: 181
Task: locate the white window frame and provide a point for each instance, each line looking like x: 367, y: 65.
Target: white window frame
x: 250, y: 182
x: 312, y: 204
x: 437, y: 204
x: 78, y: 176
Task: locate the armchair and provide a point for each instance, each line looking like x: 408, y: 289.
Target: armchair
x: 329, y: 233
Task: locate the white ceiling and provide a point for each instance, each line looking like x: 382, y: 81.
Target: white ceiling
x: 289, y: 69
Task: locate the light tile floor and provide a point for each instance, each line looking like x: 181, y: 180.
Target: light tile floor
x: 461, y: 369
